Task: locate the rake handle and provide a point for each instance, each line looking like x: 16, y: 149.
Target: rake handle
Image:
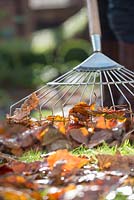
x: 94, y: 25
x: 93, y: 15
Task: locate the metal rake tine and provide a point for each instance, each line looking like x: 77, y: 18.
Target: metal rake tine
x: 48, y: 91
x: 131, y: 73
x: 68, y: 99
x: 129, y: 82
x: 129, y: 78
x: 52, y: 97
x: 57, y: 93
x: 121, y: 92
x: 110, y: 90
x: 63, y: 76
x: 62, y: 96
x: 93, y: 85
x: 101, y: 89
x: 23, y: 99
x: 67, y: 90
x: 90, y: 75
x: 53, y: 86
x: 75, y: 90
x: 122, y: 76
x: 123, y: 83
x: 18, y: 102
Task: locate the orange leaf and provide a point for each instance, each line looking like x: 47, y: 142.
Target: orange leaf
x: 102, y: 123
x: 84, y: 131
x: 72, y: 162
x: 56, y: 195
x: 13, y: 195
x: 61, y: 127
x: 82, y: 111
x: 57, y: 118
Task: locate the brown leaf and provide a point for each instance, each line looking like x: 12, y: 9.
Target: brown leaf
x: 59, y: 144
x: 50, y: 134
x: 29, y: 168
x: 21, y: 114
x: 18, y: 181
x: 4, y: 169
x: 110, y: 113
x: 81, y: 111
x: 13, y: 194
x: 100, y: 137
x: 117, y: 162
x: 80, y: 135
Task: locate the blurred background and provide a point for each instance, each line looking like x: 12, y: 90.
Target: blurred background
x: 39, y: 40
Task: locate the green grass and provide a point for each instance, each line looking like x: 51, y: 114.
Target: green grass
x: 31, y: 156
x: 120, y: 196
x: 44, y: 113
x: 124, y: 149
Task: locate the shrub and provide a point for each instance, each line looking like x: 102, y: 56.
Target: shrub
x: 21, y: 67
x: 74, y: 50
x: 17, y: 64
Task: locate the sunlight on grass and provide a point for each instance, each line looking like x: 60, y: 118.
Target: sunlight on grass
x: 120, y: 196
x: 116, y: 196
x: 124, y: 149
x: 31, y: 156
x: 44, y: 113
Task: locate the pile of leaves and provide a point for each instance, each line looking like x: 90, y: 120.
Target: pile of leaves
x: 60, y: 174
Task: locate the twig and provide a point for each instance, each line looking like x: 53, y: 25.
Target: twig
x: 7, y: 157
x: 127, y: 135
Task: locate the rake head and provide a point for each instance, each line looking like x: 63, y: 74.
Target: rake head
x: 112, y: 87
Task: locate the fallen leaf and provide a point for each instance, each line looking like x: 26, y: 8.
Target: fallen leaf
x: 60, y: 192
x: 4, y: 169
x: 50, y: 135
x: 18, y: 181
x: 12, y: 194
x: 81, y: 111
x: 100, y: 137
x: 80, y: 135
x: 103, y: 123
x: 116, y: 162
x: 22, y: 114
x: 72, y: 162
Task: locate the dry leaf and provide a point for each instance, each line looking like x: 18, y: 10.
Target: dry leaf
x: 57, y: 195
x: 103, y: 123
x: 80, y: 135
x: 82, y: 111
x: 21, y: 114
x: 116, y: 162
x: 71, y: 162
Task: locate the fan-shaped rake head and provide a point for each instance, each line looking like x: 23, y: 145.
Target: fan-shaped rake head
x: 111, y: 88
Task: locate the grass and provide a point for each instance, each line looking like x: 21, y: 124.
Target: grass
x: 31, y: 156
x: 44, y: 113
x: 119, y: 196
x: 124, y: 149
